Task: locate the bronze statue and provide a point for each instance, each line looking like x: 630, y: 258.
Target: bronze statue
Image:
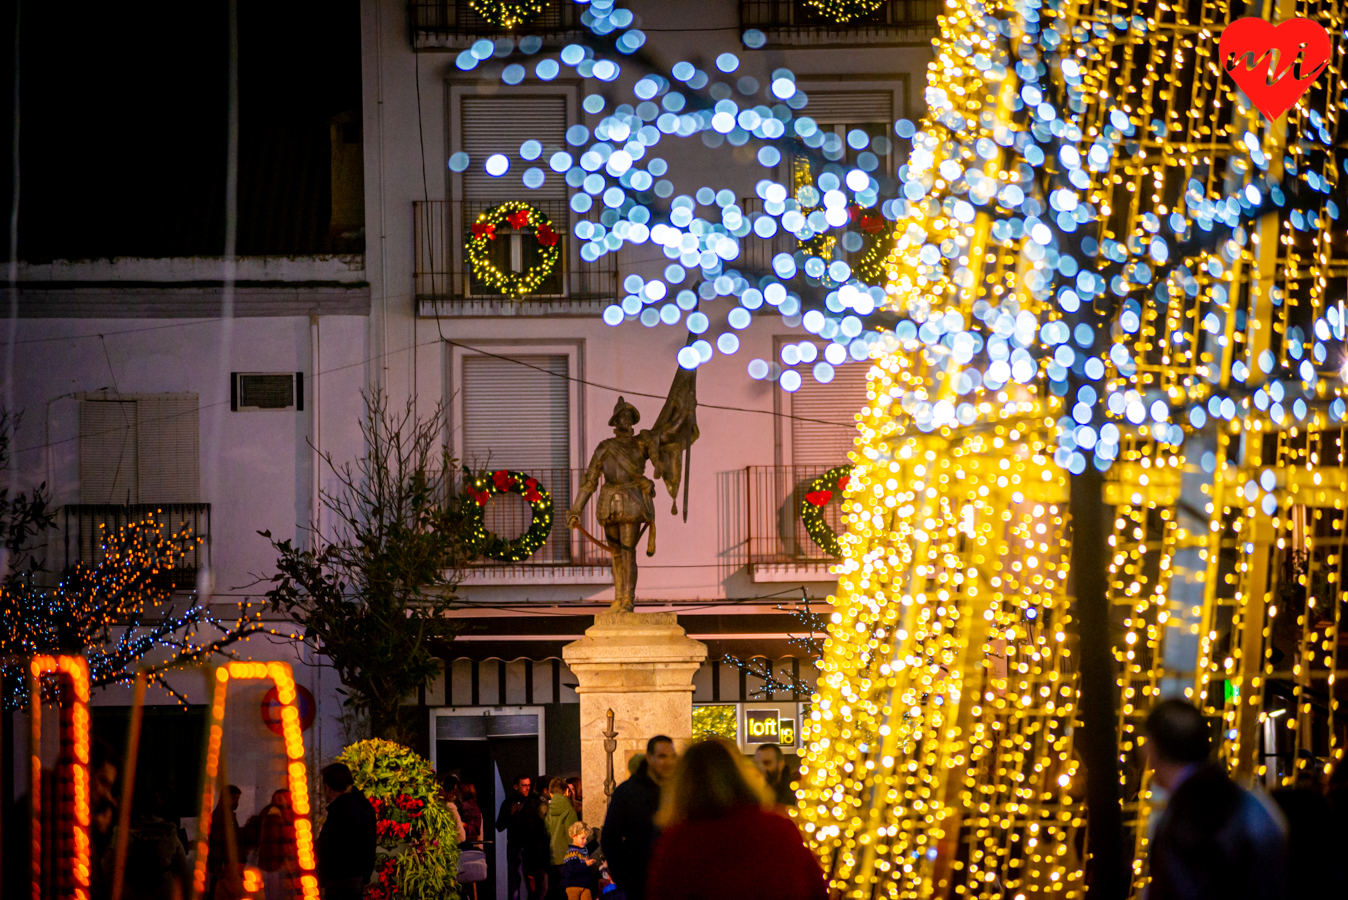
x: 626, y: 504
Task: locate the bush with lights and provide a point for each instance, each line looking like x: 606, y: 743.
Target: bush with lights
x: 844, y: 11
x: 418, y: 850
x: 478, y: 492
x: 823, y: 489
x: 486, y: 228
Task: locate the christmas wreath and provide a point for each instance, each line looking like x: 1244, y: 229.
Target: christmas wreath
x: 506, y: 13
x: 417, y: 855
x: 518, y: 215
x: 812, y: 505
x: 479, y: 490
x: 844, y: 11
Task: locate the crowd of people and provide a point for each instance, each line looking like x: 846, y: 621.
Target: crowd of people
x: 711, y: 824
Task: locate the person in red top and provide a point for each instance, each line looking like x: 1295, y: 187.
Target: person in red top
x: 722, y: 841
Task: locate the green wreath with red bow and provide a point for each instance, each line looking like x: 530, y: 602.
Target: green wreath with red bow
x: 478, y: 491
x: 519, y: 216
x: 820, y: 492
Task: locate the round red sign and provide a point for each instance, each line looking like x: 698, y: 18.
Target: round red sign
x: 272, y: 706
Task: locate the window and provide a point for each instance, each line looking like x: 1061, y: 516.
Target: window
x: 823, y: 427
x: 852, y: 123
x: 514, y: 413
x: 139, y: 449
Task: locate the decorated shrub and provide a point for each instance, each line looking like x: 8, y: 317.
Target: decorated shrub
x: 418, y: 854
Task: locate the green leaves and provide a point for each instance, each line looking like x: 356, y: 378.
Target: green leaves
x: 376, y: 586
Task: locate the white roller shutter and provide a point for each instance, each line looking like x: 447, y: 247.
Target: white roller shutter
x: 517, y: 416
x: 500, y: 125
x: 144, y: 449
x: 108, y: 457
x: 824, y: 428
x: 850, y: 107
x: 169, y: 455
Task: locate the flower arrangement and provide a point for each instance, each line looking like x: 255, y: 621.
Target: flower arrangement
x: 418, y: 853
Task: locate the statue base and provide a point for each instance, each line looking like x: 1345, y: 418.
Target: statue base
x: 641, y: 666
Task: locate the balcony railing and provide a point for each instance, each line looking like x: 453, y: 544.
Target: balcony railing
x: 793, y: 22
x: 445, y: 284
x: 88, y: 528
x: 453, y: 25
x: 508, y: 516
x: 776, y: 534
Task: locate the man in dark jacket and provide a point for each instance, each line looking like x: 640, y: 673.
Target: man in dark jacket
x: 510, y: 820
x: 346, y: 845
x: 1215, y: 840
x: 629, y: 828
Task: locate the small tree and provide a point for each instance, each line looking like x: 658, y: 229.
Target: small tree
x: 375, y: 592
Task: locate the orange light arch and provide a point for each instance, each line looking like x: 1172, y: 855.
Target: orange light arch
x: 70, y: 824
x: 297, y: 776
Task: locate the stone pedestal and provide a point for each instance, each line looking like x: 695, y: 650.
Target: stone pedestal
x: 641, y: 666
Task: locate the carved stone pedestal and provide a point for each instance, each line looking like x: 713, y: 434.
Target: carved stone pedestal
x: 640, y: 665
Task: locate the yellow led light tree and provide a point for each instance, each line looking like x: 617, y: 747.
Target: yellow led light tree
x: 1152, y: 264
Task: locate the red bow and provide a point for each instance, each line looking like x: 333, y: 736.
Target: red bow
x: 519, y: 218
x: 502, y: 479
x: 842, y: 482
x: 818, y: 498
x: 484, y: 228
x: 546, y: 236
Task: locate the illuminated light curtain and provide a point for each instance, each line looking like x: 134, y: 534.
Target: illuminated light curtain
x: 1210, y: 395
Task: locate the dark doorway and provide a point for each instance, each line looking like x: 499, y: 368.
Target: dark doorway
x: 491, y: 764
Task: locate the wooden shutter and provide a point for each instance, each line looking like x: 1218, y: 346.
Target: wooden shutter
x: 169, y: 468
x: 826, y: 428
x: 850, y: 108
x: 500, y: 125
x: 516, y: 415
x: 108, y: 451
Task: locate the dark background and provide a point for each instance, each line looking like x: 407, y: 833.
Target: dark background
x: 123, y: 125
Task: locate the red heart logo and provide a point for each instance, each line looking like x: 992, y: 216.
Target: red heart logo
x: 818, y: 498
x: 1274, y: 65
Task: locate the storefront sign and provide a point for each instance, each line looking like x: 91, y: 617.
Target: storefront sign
x: 761, y: 726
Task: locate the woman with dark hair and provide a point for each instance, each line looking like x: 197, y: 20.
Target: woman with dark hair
x: 469, y: 811
x: 722, y: 841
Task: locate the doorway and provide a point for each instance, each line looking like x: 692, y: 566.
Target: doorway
x: 490, y: 747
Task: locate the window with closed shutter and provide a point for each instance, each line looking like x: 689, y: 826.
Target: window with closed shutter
x: 844, y: 117
x: 143, y: 449
x: 823, y: 427
x: 517, y: 416
x: 501, y: 124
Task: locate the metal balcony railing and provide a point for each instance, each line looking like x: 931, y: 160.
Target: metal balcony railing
x: 444, y: 276
x: 88, y: 528
x: 797, y: 22
x: 453, y: 24
x: 776, y: 534
x: 509, y: 515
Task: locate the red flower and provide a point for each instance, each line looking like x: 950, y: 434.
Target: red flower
x: 504, y: 480
x: 818, y: 498
x: 532, y: 495
x: 872, y: 224
x: 484, y: 228
x: 546, y: 236
x: 842, y: 482
x: 481, y: 497
x: 519, y: 218
x: 531, y: 482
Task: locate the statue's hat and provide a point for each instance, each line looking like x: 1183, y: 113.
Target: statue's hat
x: 619, y: 407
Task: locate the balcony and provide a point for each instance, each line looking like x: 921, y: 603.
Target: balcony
x: 445, y: 285
x: 87, y: 526
x: 794, y: 23
x: 453, y: 25
x: 780, y: 549
x: 566, y: 557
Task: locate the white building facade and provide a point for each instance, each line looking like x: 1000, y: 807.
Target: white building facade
x: 138, y: 393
